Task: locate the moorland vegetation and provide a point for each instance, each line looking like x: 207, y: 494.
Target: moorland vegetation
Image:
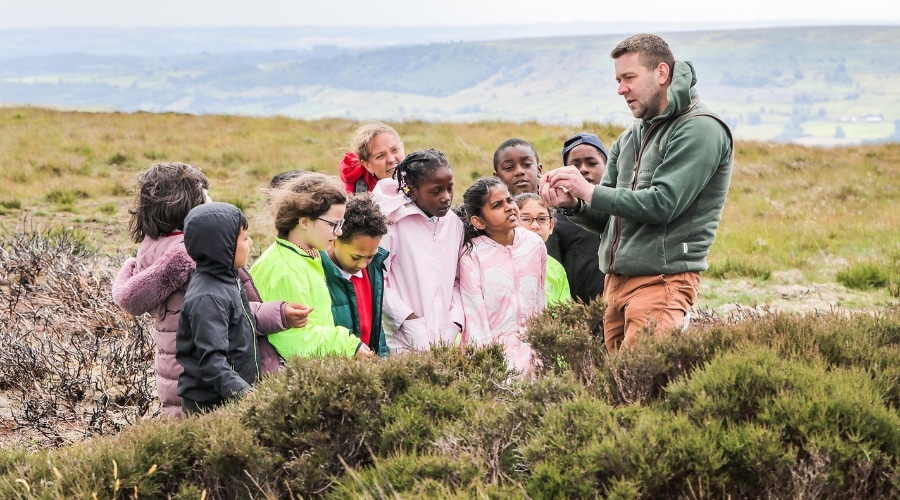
x: 765, y: 403
x: 807, y: 214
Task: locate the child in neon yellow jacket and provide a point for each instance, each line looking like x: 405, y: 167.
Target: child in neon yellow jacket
x: 308, y: 213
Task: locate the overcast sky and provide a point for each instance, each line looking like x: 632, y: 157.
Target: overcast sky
x: 389, y: 13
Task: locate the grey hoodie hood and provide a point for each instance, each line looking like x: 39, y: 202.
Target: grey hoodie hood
x: 211, y: 231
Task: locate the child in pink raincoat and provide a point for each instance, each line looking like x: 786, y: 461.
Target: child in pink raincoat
x: 501, y: 273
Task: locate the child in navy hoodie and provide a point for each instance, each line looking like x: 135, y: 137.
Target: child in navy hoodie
x: 216, y: 340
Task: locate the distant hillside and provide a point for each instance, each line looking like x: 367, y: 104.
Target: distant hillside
x: 834, y: 85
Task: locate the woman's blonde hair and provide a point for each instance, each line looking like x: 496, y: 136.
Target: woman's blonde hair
x: 364, y: 135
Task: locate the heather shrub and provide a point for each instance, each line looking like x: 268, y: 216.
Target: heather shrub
x: 325, y: 414
x: 213, y: 454
x: 72, y: 364
x: 419, y: 415
x: 747, y: 425
x: 777, y: 405
x: 486, y: 434
x: 423, y: 476
x: 480, y: 369
x: 587, y: 448
x: 530, y: 401
x: 491, y: 433
x: 558, y: 452
x: 885, y: 372
x: 640, y: 375
x: 834, y: 419
x: 868, y: 341
x: 317, y: 411
x: 569, y: 337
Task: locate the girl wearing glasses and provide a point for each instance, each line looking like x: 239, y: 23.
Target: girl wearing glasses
x: 501, y: 273
x: 309, y: 215
x: 535, y: 216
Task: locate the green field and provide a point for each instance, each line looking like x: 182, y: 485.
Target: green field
x: 796, y: 214
x: 795, y: 84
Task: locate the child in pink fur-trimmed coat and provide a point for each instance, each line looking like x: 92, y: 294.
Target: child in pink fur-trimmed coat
x: 154, y: 282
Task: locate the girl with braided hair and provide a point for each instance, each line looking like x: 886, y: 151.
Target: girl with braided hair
x: 422, y: 303
x: 501, y: 273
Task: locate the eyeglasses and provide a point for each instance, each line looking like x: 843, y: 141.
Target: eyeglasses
x: 335, y: 226
x: 542, y: 220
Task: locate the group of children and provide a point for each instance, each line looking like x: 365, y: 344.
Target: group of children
x: 351, y: 272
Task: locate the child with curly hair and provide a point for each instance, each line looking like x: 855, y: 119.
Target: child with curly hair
x: 354, y: 270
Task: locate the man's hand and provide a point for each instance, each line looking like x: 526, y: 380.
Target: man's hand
x: 297, y: 315
x: 562, y: 187
x: 555, y: 197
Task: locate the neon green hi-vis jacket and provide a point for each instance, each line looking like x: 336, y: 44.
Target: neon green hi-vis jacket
x: 284, y: 272
x: 557, y: 283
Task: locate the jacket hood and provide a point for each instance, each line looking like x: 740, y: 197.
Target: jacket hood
x: 351, y: 170
x: 682, y: 91
x: 210, y: 236
x: 395, y: 205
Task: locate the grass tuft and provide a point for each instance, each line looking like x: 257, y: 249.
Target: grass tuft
x: 117, y: 159
x: 875, y: 273
x: 66, y: 196
x: 734, y: 268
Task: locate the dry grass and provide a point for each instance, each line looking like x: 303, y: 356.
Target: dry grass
x: 87, y: 162
x: 797, y: 211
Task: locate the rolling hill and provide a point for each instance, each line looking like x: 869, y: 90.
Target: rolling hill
x: 809, y: 85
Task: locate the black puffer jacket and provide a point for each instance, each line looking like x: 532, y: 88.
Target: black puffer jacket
x: 216, y: 340
x: 576, y: 249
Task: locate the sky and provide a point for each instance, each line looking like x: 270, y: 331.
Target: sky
x: 393, y: 13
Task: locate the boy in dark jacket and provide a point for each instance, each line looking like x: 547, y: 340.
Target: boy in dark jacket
x: 576, y: 248
x: 216, y: 339
x: 354, y: 271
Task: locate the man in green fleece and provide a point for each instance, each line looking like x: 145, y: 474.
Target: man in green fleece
x: 660, y: 201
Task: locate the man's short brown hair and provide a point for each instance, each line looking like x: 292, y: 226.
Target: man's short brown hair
x: 652, y: 50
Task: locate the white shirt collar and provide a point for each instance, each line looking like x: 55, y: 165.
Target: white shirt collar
x: 347, y: 275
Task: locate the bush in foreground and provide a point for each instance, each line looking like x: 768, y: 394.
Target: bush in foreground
x: 749, y: 410
x: 72, y: 364
x: 779, y: 406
